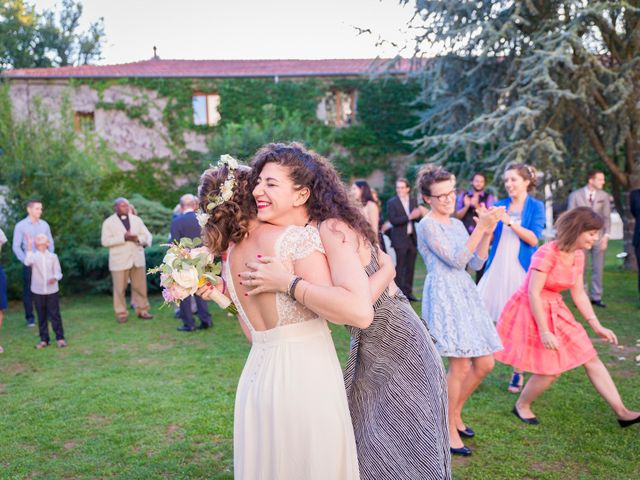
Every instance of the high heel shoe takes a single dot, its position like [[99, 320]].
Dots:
[[517, 381], [628, 423], [467, 432]]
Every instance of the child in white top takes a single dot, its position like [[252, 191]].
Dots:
[[45, 274]]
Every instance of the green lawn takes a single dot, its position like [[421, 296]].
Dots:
[[142, 401]]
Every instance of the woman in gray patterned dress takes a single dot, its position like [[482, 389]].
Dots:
[[451, 305], [394, 377]]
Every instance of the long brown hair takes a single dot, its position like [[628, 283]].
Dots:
[[574, 222], [329, 197], [228, 222]]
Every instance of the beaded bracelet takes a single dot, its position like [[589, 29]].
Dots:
[[292, 287]]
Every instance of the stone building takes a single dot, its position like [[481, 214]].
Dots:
[[126, 105]]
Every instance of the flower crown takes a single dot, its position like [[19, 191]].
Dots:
[[226, 190]]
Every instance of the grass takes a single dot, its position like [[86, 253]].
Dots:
[[140, 401]]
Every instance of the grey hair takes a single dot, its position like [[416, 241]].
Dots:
[[188, 199], [118, 200]]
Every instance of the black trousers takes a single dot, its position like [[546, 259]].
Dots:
[[406, 264], [638, 262], [187, 315], [48, 308], [26, 294]]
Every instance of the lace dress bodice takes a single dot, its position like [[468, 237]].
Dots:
[[294, 243]]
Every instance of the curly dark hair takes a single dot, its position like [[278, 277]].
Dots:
[[228, 222], [329, 197], [430, 174]]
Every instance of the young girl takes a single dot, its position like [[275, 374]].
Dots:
[[538, 331]]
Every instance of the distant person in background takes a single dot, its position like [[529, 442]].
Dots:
[[594, 197], [402, 213], [363, 194], [3, 285], [467, 203], [30, 226], [515, 239], [187, 226], [45, 275], [634, 204], [125, 235]]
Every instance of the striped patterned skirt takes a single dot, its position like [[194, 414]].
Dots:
[[397, 395]]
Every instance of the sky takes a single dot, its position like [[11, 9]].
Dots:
[[245, 29]]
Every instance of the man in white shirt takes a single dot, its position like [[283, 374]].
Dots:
[[593, 196], [45, 275], [125, 235]]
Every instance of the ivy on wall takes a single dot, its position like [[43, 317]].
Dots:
[[383, 113]]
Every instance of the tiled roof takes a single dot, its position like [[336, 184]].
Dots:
[[159, 68]]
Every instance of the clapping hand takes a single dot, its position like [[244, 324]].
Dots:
[[52, 281], [488, 218]]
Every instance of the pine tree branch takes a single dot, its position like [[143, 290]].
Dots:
[[598, 146]]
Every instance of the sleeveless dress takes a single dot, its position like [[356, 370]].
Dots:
[[397, 394], [451, 304], [518, 329], [505, 273], [291, 418]]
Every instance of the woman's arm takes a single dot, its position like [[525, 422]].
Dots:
[[582, 302], [373, 215], [526, 235], [536, 284]]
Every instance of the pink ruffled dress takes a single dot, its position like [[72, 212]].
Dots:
[[518, 329]]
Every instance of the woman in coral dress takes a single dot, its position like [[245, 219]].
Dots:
[[538, 331]]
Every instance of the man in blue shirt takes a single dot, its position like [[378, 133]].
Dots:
[[27, 228]]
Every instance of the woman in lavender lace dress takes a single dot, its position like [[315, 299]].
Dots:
[[451, 306]]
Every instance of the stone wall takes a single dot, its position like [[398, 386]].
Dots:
[[135, 138]]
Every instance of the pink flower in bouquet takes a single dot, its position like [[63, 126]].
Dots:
[[167, 295], [177, 293]]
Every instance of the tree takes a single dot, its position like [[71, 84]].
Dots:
[[30, 39], [553, 83]]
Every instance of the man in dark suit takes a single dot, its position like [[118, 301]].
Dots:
[[402, 213], [186, 225], [634, 201]]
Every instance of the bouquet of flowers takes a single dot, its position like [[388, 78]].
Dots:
[[185, 268]]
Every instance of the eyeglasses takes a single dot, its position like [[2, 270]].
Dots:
[[445, 196]]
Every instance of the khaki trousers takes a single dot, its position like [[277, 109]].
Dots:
[[138, 290]]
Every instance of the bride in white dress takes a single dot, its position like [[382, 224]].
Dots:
[[291, 414]]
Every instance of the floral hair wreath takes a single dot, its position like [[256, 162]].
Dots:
[[226, 190]]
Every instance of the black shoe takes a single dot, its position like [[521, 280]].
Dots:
[[528, 421], [204, 326], [411, 298], [467, 432], [598, 303], [185, 329], [464, 451], [628, 423]]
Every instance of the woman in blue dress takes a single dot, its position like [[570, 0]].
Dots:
[[451, 306]]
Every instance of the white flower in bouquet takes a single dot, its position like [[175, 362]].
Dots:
[[187, 278]]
